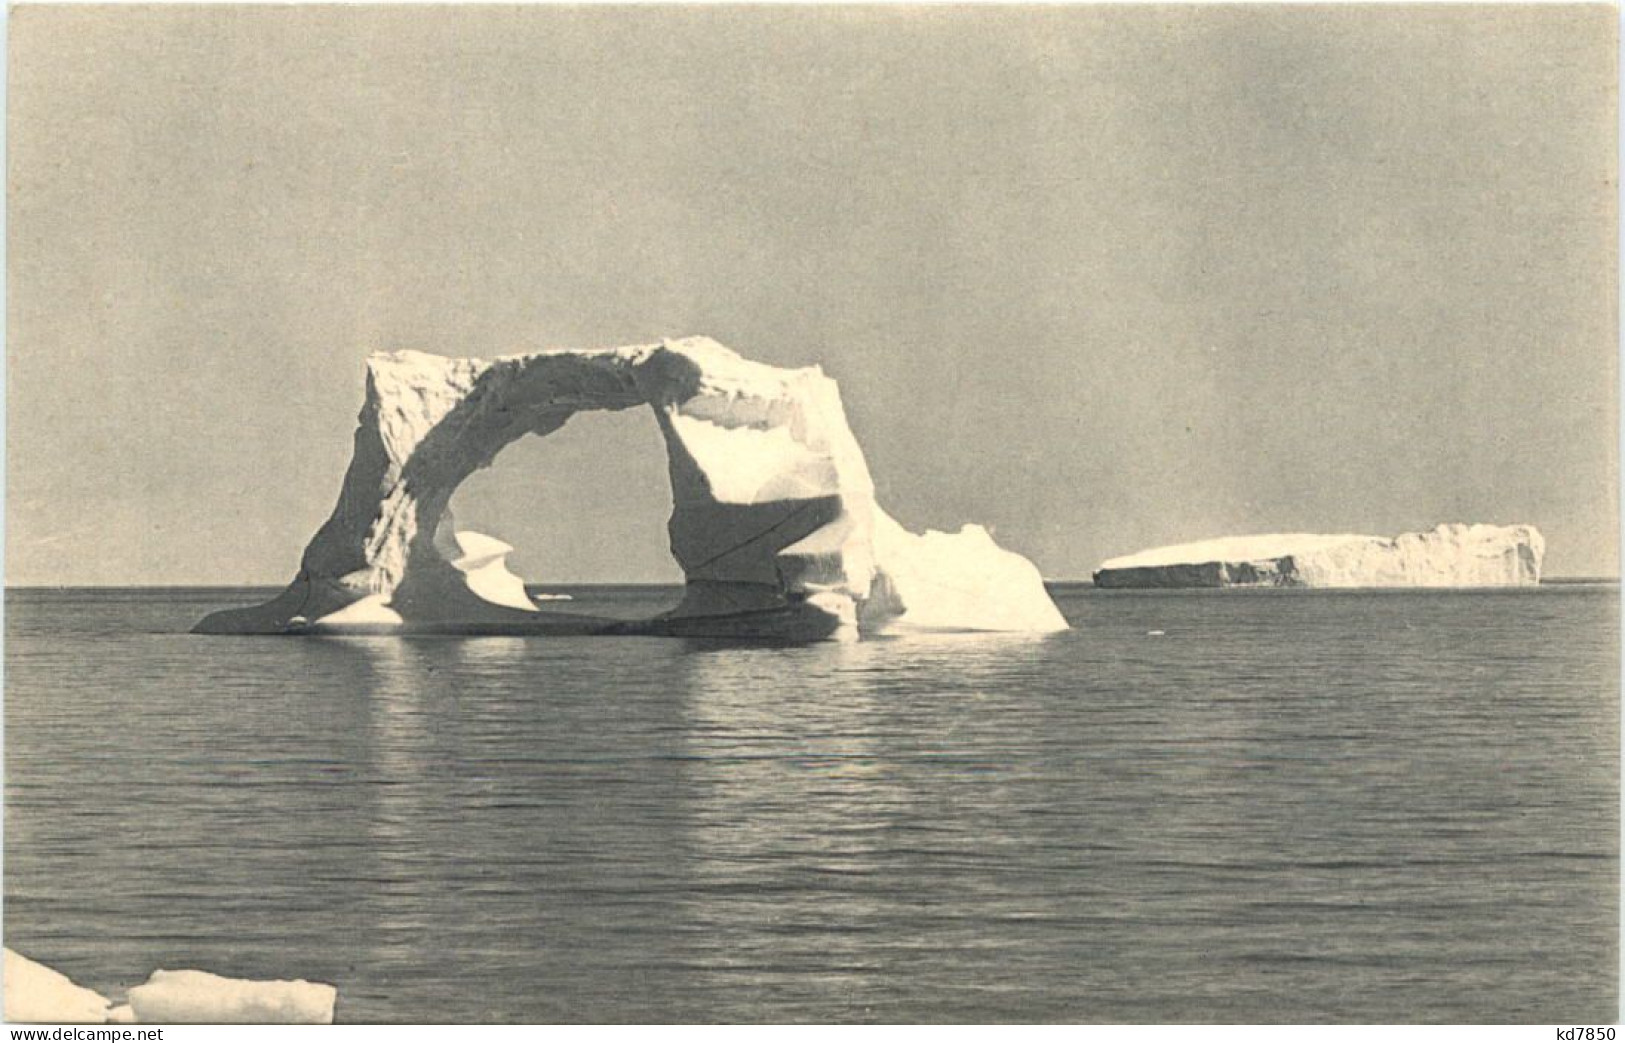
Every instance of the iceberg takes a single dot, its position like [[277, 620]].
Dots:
[[1447, 556], [34, 993], [198, 997], [774, 520]]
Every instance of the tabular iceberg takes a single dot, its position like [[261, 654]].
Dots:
[[1448, 556], [774, 520]]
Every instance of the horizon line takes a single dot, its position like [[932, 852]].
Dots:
[[1088, 581]]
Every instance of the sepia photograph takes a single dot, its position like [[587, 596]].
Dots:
[[809, 514]]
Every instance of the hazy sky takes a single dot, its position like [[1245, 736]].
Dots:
[[1102, 278]]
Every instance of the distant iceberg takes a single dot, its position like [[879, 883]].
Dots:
[[1448, 556], [774, 520]]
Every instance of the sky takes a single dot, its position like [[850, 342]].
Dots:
[[1100, 278]]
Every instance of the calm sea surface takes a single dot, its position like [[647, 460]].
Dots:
[[1289, 806]]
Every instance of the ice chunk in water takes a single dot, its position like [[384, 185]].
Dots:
[[198, 997]]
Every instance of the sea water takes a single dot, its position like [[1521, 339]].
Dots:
[[1223, 806]]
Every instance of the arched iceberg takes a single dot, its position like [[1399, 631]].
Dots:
[[774, 520]]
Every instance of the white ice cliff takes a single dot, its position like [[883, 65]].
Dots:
[[1448, 556], [774, 520]]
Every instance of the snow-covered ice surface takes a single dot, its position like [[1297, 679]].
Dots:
[[774, 520], [1233, 548], [1446, 556], [34, 993], [198, 997]]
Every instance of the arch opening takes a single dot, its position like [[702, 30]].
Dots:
[[585, 510]]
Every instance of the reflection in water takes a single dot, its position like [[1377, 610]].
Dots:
[[397, 695], [830, 790], [786, 788], [1340, 808], [516, 815]]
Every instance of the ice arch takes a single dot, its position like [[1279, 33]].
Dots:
[[774, 521]]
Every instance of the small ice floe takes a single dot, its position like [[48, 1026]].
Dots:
[[1156, 633], [34, 993], [551, 597], [198, 997]]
